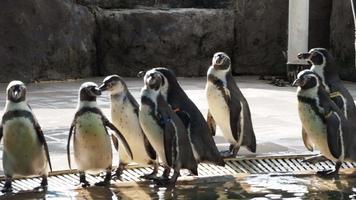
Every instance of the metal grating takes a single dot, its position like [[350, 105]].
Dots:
[[234, 166]]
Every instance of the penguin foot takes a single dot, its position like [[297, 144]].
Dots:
[[227, 154], [315, 159], [151, 176], [40, 188], [6, 189], [103, 183], [328, 174], [84, 184]]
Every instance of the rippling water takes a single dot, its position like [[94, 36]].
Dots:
[[252, 187]]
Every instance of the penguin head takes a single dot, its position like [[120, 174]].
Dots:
[[16, 91], [221, 61], [153, 80], [114, 84], [306, 80], [316, 56], [88, 91]]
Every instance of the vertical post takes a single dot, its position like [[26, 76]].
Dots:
[[298, 32]]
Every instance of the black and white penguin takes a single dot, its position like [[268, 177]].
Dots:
[[25, 151], [124, 115], [203, 145], [324, 123], [164, 129], [228, 107], [92, 145], [324, 65]]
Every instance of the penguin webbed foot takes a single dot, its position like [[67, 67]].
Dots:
[[117, 174], [107, 179], [151, 176], [165, 181], [231, 153], [315, 159], [82, 180], [328, 173], [102, 183], [43, 186], [7, 187]]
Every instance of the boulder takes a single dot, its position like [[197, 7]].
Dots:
[[46, 40], [260, 37], [181, 39]]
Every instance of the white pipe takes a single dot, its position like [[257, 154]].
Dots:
[[298, 30]]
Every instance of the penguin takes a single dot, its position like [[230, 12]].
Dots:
[[228, 107], [25, 151], [91, 140], [124, 115], [324, 123], [323, 64], [202, 142], [164, 130]]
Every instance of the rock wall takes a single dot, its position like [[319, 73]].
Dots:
[[260, 36], [181, 39], [61, 39], [45, 40], [342, 37]]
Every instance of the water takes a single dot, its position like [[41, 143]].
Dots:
[[252, 187]]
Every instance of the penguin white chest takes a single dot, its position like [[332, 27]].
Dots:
[[23, 153], [152, 130], [92, 145], [220, 110], [315, 128], [126, 120]]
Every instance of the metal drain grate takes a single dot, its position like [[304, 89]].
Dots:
[[249, 165]]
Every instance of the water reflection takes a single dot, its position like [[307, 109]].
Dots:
[[251, 187]]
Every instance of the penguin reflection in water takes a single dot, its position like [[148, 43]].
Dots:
[[92, 144], [165, 131], [124, 115], [324, 123], [25, 151], [228, 107]]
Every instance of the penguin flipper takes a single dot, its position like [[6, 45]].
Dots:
[[211, 123], [184, 117], [333, 127], [1, 132], [43, 142], [120, 136], [249, 138], [169, 142], [115, 142], [306, 141], [149, 149], [71, 131]]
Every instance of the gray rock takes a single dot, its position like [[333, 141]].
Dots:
[[260, 36], [181, 39], [45, 40]]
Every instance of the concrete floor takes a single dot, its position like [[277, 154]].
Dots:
[[274, 112]]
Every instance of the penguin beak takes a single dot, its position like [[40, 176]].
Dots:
[[141, 74], [298, 82], [303, 56], [102, 87], [97, 91]]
